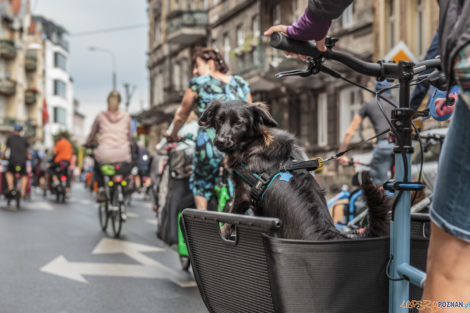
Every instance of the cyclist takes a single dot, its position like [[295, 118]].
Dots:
[[115, 135], [143, 166], [211, 82], [448, 277], [382, 155], [63, 151], [19, 150]]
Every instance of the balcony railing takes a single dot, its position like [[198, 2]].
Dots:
[[30, 129], [186, 27], [7, 49], [30, 96], [7, 87], [31, 61]]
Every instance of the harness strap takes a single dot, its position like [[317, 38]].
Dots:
[[309, 165]]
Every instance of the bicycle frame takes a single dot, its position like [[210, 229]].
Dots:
[[400, 269]]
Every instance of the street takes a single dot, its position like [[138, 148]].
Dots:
[[54, 258]]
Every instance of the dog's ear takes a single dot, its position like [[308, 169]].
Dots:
[[207, 117], [261, 115]]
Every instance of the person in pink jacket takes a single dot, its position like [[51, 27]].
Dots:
[[113, 128]]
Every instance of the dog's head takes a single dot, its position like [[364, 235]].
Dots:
[[236, 123]]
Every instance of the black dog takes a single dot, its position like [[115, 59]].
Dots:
[[246, 133]]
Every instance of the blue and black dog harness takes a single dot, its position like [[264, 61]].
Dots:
[[260, 182]]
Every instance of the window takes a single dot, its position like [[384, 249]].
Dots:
[[347, 18], [240, 36], [255, 27], [349, 104], [322, 122], [60, 115], [157, 31], [276, 20], [295, 8], [60, 61], [420, 27], [391, 23], [226, 47], [176, 76], [60, 89]]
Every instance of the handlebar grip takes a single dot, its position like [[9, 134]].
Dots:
[[282, 42]]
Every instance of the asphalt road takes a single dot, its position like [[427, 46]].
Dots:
[[54, 258]]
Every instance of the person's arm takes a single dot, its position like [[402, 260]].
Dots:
[[129, 130], [249, 98], [183, 112], [327, 9], [352, 129], [94, 130], [314, 23]]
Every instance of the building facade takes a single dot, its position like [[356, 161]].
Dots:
[[58, 83], [78, 134], [318, 109], [21, 70]]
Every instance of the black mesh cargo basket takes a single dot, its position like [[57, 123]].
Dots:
[[261, 273], [232, 276]]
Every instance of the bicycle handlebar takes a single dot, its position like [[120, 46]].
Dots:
[[382, 70]]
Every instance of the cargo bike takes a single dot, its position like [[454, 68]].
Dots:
[[255, 271]]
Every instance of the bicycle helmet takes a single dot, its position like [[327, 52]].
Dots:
[[18, 127]]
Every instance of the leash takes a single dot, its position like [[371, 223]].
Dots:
[[260, 182]]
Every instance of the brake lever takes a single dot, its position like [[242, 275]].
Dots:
[[301, 73]]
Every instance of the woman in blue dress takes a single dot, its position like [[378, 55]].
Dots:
[[211, 82]]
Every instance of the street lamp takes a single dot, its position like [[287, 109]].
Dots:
[[113, 57]]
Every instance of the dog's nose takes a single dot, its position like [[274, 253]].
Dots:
[[219, 141]]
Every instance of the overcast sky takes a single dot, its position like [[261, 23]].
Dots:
[[91, 71]]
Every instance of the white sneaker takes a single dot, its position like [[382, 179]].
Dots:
[[123, 216]]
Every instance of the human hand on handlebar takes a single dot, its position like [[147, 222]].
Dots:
[[343, 160], [172, 138], [320, 44]]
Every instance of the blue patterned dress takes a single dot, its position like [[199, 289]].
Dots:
[[207, 158]]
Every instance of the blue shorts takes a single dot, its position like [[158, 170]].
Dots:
[[450, 209]]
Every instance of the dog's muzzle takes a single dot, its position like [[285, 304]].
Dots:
[[224, 144]]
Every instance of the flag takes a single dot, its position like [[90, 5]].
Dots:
[[45, 113]]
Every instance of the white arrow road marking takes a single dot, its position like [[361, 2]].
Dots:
[[152, 221], [132, 250], [40, 205], [149, 267], [75, 271]]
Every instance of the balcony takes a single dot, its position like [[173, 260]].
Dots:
[[31, 61], [30, 96], [249, 60], [7, 49], [7, 87], [186, 27], [30, 129]]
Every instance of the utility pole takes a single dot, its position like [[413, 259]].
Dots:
[[129, 93]]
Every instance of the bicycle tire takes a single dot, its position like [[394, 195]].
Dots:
[[18, 204], [185, 263], [116, 220], [103, 215]]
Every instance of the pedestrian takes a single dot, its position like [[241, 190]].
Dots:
[[211, 82]]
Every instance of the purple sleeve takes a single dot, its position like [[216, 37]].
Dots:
[[308, 28]]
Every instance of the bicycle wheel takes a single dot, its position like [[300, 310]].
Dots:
[[18, 201], [185, 262], [103, 215], [116, 219]]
